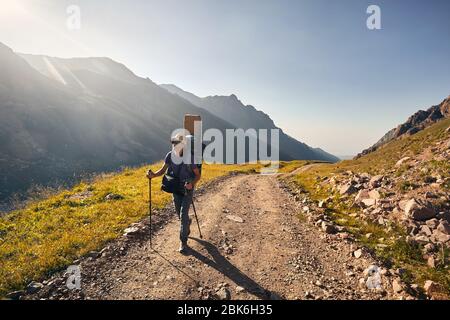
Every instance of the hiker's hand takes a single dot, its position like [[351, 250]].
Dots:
[[189, 186], [150, 174]]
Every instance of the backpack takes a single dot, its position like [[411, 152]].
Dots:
[[171, 183]]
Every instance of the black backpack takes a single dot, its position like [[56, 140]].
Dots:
[[172, 184]]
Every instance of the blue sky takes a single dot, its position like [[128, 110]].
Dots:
[[312, 65]]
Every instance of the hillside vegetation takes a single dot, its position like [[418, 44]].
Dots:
[[50, 234], [395, 202], [367, 200]]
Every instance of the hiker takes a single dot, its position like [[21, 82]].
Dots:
[[186, 176]]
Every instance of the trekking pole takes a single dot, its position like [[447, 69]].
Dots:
[[150, 207], [196, 218]]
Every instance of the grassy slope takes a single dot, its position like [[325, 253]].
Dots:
[[49, 234], [394, 249]]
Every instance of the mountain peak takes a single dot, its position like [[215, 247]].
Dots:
[[232, 110], [415, 123], [67, 70]]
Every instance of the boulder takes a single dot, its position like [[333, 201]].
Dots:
[[369, 202], [402, 204], [328, 228], [373, 278], [15, 295], [444, 227], [362, 194], [374, 194], [113, 196], [426, 230], [223, 294], [375, 181], [431, 288], [357, 253], [333, 181], [402, 161], [367, 198], [397, 286], [131, 231], [240, 289], [347, 189], [432, 223], [422, 239], [440, 237], [418, 211], [235, 218], [431, 262], [34, 287]]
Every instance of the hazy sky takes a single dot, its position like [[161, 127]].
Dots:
[[313, 66]]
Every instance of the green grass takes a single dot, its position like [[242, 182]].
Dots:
[[289, 166], [50, 234], [386, 156], [394, 251]]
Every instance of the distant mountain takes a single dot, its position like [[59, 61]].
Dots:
[[63, 118], [417, 122], [232, 110]]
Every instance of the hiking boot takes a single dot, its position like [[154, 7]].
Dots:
[[183, 247]]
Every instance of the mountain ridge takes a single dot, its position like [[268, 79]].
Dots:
[[61, 119], [231, 109], [415, 123], [51, 132]]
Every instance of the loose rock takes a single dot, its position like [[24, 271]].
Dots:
[[418, 211], [357, 253], [113, 196], [402, 161], [223, 294], [397, 286], [235, 218], [34, 287], [431, 288]]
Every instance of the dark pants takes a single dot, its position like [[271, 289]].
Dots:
[[182, 204]]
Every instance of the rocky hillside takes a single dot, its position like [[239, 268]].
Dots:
[[395, 204], [418, 121], [231, 109]]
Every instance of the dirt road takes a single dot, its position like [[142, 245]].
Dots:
[[254, 246]]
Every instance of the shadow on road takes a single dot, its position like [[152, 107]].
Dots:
[[175, 266], [222, 265]]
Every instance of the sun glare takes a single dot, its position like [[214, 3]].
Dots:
[[11, 8]]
